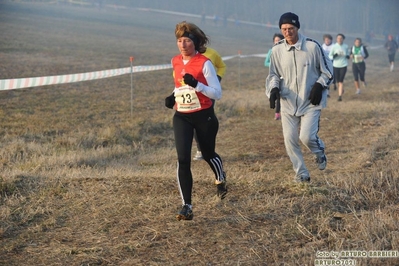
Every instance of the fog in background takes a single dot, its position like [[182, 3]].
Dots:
[[372, 20], [355, 17]]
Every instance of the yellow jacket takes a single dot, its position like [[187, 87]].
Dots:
[[216, 60]]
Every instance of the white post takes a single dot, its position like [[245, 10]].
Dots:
[[131, 86], [239, 69]]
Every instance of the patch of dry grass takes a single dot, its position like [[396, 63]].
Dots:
[[82, 182]]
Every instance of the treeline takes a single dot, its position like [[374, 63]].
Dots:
[[379, 17], [350, 16]]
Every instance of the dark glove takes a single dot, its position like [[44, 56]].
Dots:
[[316, 94], [335, 55], [170, 101], [274, 95], [219, 78], [190, 80], [347, 57]]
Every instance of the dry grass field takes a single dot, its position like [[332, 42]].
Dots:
[[85, 182]]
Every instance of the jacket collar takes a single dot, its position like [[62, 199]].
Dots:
[[297, 45]]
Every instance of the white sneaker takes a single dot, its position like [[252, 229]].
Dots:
[[198, 156], [358, 91]]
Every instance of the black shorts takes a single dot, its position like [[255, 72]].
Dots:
[[391, 57], [359, 69], [339, 74]]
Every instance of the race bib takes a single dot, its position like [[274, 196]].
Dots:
[[357, 58], [186, 99]]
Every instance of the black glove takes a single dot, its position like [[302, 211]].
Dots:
[[219, 78], [335, 55], [347, 57], [274, 95], [170, 101], [190, 80], [316, 94]]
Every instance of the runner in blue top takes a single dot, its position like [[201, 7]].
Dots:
[[276, 38], [392, 46]]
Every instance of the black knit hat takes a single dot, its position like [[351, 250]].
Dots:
[[289, 18]]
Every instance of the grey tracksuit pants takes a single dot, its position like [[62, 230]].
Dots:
[[305, 129]]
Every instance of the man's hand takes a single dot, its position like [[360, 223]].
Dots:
[[316, 94], [274, 95], [170, 101], [190, 80]]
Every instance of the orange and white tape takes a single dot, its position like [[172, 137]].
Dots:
[[10, 84], [20, 83]]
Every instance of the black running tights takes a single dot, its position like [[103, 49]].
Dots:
[[206, 125]]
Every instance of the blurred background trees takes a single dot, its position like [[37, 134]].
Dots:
[[348, 16], [356, 17]]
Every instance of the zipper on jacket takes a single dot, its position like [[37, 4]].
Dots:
[[296, 81]]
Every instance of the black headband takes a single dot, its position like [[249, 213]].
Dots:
[[192, 37]]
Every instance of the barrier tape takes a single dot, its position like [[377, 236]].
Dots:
[[20, 83], [10, 84]]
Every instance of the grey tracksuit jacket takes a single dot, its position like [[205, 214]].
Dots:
[[294, 69]]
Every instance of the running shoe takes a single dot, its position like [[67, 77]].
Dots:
[[186, 213], [321, 161], [221, 188], [198, 156], [301, 179]]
